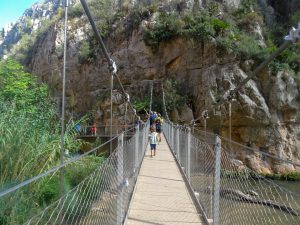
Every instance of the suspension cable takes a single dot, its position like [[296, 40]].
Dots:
[[231, 93], [127, 96], [111, 110], [97, 33], [164, 102], [293, 37], [111, 64], [151, 96], [62, 148]]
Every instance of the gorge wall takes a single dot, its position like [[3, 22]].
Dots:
[[264, 116]]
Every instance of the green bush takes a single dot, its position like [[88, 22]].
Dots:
[[141, 104], [86, 54], [174, 95], [291, 176], [166, 27], [200, 26], [75, 11], [277, 66], [30, 144]]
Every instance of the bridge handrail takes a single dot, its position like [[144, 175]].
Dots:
[[248, 148], [56, 168], [116, 175], [221, 185]]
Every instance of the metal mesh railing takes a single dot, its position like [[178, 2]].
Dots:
[[102, 197], [228, 190]]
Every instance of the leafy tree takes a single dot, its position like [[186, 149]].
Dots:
[[20, 88], [30, 144]]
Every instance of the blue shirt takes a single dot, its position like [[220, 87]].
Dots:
[[152, 118]]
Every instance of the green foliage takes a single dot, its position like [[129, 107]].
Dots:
[[141, 103], [28, 22], [277, 66], [167, 27], [23, 51], [75, 11], [20, 87], [246, 6], [200, 25], [77, 171], [290, 176], [136, 16], [291, 56], [174, 95], [247, 47], [213, 8], [238, 174], [30, 144], [85, 54]]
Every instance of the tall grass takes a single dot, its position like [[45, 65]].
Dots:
[[30, 144]]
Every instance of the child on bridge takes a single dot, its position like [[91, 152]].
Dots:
[[153, 141]]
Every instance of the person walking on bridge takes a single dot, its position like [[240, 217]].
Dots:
[[153, 141], [94, 129], [152, 118], [158, 123]]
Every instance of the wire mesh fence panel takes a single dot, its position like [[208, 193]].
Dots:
[[245, 196], [202, 173], [101, 191], [183, 148], [253, 198]]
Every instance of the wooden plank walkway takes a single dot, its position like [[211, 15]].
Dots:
[[161, 196]]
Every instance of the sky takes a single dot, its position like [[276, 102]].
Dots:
[[11, 10]]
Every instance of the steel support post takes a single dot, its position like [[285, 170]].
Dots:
[[144, 137], [168, 131], [216, 199], [171, 138], [188, 163], [125, 118], [120, 211], [136, 148], [62, 150], [229, 111], [111, 110], [177, 146], [205, 131]]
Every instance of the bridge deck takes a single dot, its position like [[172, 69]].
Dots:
[[161, 196]]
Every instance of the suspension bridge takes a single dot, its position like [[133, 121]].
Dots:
[[194, 178]]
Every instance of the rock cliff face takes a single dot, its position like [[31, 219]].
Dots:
[[264, 115], [30, 21]]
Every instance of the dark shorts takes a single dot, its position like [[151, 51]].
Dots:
[[158, 130], [153, 146]]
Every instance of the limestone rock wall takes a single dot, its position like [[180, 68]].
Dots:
[[264, 115]]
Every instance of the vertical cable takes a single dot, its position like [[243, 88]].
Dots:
[[125, 119], [111, 109], [62, 150], [229, 109], [151, 93]]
